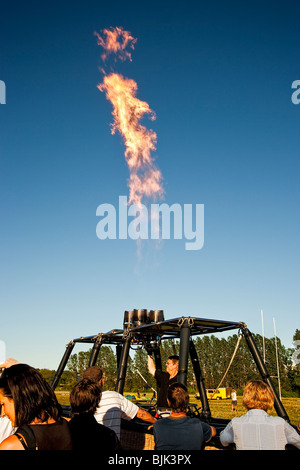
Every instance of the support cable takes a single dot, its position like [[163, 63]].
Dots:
[[231, 361], [136, 369]]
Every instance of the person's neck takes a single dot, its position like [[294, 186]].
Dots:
[[39, 421], [172, 374], [175, 415]]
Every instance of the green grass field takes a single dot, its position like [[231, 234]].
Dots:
[[222, 408]]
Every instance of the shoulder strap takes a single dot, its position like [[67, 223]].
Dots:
[[26, 437]]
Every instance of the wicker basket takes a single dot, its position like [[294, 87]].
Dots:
[[132, 440]]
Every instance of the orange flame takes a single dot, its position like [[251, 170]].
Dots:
[[145, 179], [116, 42]]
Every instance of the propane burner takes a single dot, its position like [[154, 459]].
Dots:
[[137, 317]]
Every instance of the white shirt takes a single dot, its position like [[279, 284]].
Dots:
[[6, 428], [112, 408], [256, 430]]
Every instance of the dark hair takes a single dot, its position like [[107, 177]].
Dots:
[[85, 396], [178, 397], [94, 373], [32, 395]]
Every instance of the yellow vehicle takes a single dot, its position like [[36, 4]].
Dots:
[[219, 394]]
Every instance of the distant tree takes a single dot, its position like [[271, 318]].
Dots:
[[143, 379], [66, 381], [214, 356], [72, 365], [108, 362], [296, 351], [169, 347], [78, 362], [47, 374], [206, 356], [294, 370]]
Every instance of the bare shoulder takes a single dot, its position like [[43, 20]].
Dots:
[[11, 443]]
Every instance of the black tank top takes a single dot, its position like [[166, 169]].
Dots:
[[54, 436]]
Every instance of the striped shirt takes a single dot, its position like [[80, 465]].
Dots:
[[112, 408]]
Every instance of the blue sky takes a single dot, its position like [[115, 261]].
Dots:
[[218, 76]]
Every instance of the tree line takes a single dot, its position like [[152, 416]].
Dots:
[[214, 355]]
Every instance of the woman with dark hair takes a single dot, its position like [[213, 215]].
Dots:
[[87, 433], [31, 405]]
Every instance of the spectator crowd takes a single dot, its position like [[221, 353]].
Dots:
[[32, 419]]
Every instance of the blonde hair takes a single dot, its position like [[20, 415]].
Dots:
[[258, 395]]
